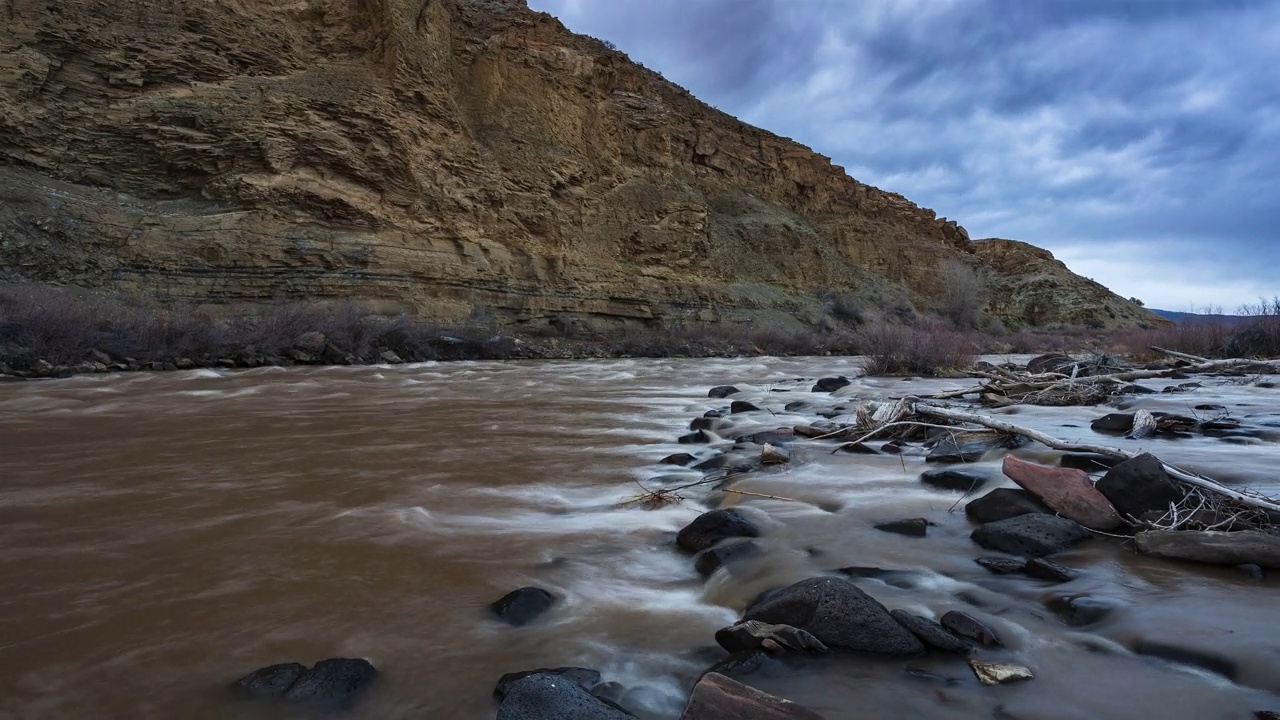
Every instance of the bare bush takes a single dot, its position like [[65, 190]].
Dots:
[[1259, 335], [843, 307], [965, 292], [922, 349]]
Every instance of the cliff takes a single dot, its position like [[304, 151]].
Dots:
[[458, 158]]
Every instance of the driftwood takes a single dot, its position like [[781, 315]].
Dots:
[[1220, 548]]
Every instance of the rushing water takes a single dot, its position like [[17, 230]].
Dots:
[[162, 534]]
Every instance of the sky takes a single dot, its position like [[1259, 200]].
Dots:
[[1139, 141]]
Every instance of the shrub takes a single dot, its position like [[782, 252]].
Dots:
[[922, 349], [965, 291], [843, 307], [1259, 335]]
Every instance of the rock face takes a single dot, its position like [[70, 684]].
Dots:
[[839, 614], [461, 159]]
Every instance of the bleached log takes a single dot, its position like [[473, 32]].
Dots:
[[1180, 355]]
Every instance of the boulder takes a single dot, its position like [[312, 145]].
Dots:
[[970, 628], [711, 527], [1052, 363], [724, 554], [831, 384], [585, 677], [1002, 566], [677, 459], [523, 606], [1002, 504], [270, 681], [742, 406], [962, 480], [1034, 535], [722, 391], [1046, 569], [1245, 547], [1113, 423], [751, 634], [914, 527], [1066, 491], [335, 682], [542, 696], [837, 613], [1080, 610], [1139, 485], [717, 697], [929, 632], [697, 437]]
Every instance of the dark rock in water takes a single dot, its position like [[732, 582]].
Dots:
[[742, 663], [677, 459], [750, 635], [522, 606], [1244, 547], [704, 423], [696, 437], [893, 447], [542, 696], [585, 677], [1138, 485], [1188, 656], [914, 527], [962, 447], [1002, 566], [1046, 569], [717, 697], [858, 448], [781, 436], [929, 632], [831, 384], [795, 405], [895, 578], [1266, 715], [336, 682], [724, 554], [1080, 610], [1088, 462], [712, 414], [968, 627], [1002, 504], [1135, 389], [722, 391], [1065, 490], [1054, 363], [922, 674], [711, 527], [1113, 423], [742, 406], [964, 481], [1034, 535], [270, 681], [839, 614]]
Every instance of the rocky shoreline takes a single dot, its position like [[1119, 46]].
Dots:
[[1016, 532]]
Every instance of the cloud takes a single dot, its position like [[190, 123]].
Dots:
[[1135, 139]]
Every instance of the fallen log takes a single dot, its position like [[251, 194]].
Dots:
[[1244, 547]]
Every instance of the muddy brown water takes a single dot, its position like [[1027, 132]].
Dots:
[[162, 534]]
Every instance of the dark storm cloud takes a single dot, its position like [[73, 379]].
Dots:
[[1138, 140]]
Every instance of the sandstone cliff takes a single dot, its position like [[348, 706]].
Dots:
[[453, 157]]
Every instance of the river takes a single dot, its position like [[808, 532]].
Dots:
[[164, 533]]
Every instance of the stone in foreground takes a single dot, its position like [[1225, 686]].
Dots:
[[929, 632], [523, 606], [270, 681], [751, 634], [1030, 535], [1246, 547], [912, 527], [717, 697], [1002, 504], [839, 614], [970, 628], [999, 673], [337, 682], [542, 696], [585, 677], [712, 527], [1066, 491], [1140, 485]]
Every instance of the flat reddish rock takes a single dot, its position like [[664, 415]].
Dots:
[[1066, 491]]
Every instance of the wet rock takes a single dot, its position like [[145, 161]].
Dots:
[[717, 697], [780, 436], [796, 405], [523, 606], [1065, 490], [831, 384], [839, 614], [742, 406], [1139, 485], [970, 628], [722, 391], [914, 527], [1113, 423], [1088, 462], [677, 459], [696, 437], [542, 696], [774, 455], [1002, 504], [270, 681], [918, 673], [895, 578], [711, 527], [336, 682], [1046, 569], [1034, 535], [999, 673], [962, 480], [1080, 610], [1245, 547], [1266, 715], [585, 677], [704, 423], [929, 632], [712, 414], [1053, 363], [858, 448], [750, 635], [1002, 566], [1188, 656], [742, 663], [724, 554], [964, 447]]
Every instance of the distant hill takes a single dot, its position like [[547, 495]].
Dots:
[[1187, 318]]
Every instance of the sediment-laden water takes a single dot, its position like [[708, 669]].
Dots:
[[162, 534]]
